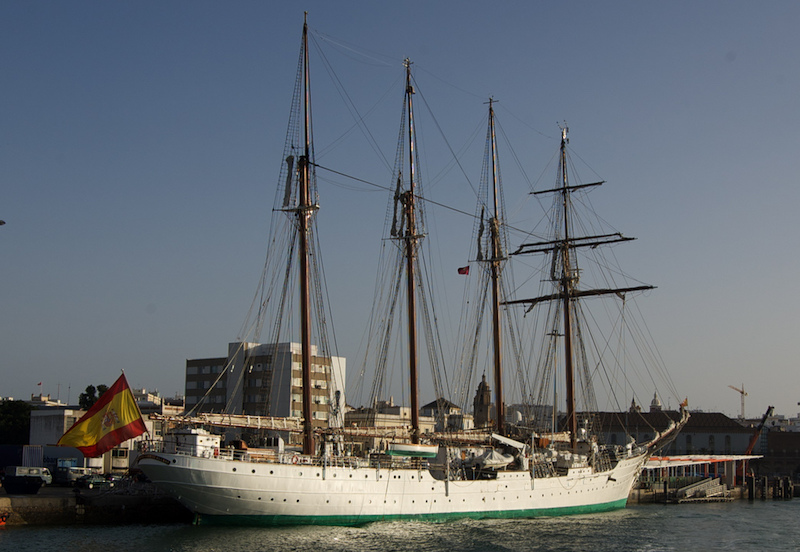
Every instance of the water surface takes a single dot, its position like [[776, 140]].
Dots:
[[741, 525]]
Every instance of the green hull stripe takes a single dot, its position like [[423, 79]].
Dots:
[[269, 521], [410, 453]]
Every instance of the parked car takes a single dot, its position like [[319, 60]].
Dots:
[[69, 476], [94, 481]]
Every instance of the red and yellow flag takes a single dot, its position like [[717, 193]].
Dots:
[[113, 419]]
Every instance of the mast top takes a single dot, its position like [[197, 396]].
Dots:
[[407, 64]]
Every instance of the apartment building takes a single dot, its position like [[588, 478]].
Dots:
[[266, 380]]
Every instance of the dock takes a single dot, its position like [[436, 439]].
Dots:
[[134, 503]]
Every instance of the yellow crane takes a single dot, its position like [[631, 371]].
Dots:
[[743, 393]]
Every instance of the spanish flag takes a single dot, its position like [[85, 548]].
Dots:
[[113, 419]]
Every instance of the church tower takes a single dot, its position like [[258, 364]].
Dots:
[[482, 404]]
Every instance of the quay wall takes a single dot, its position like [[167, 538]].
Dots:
[[63, 506]]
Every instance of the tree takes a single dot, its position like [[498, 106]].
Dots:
[[15, 423], [87, 399]]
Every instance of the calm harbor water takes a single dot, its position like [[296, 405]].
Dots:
[[739, 525]]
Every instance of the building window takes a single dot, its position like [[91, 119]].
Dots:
[[727, 444], [191, 370], [711, 444]]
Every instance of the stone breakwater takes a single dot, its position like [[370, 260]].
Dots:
[[65, 506]]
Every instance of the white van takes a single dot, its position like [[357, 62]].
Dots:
[[27, 471]]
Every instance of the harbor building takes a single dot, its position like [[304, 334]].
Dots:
[[266, 380], [49, 422], [448, 416], [383, 416], [704, 433]]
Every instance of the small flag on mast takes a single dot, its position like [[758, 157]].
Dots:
[[464, 270], [113, 419]]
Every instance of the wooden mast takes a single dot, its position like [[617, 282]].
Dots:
[[304, 210], [566, 297], [567, 280], [495, 261], [410, 240]]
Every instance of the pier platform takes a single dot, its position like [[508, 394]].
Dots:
[[135, 503]]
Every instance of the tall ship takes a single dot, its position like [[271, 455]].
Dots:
[[501, 469]]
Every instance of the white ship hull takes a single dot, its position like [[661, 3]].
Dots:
[[231, 491]]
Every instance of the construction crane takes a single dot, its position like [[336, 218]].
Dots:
[[741, 470], [743, 393], [757, 431]]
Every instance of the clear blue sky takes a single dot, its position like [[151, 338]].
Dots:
[[141, 143]]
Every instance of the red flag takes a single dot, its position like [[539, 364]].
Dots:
[[113, 419], [464, 270]]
